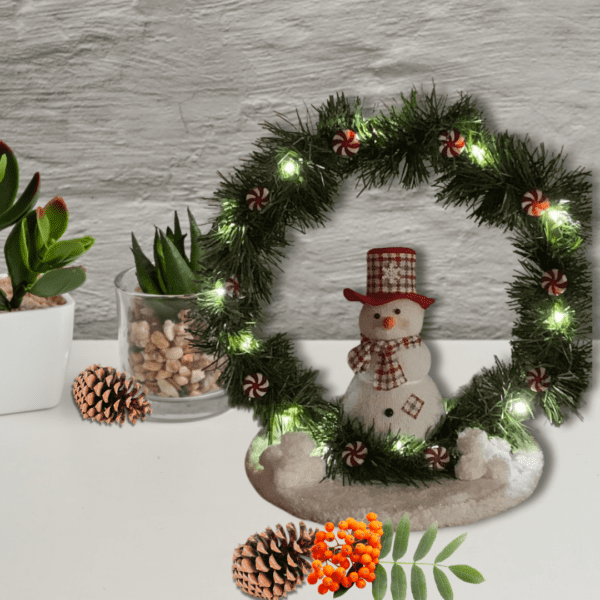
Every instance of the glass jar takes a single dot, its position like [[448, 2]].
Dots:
[[155, 350]]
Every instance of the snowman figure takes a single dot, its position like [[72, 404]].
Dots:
[[391, 388]]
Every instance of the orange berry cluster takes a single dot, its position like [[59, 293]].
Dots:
[[353, 558]]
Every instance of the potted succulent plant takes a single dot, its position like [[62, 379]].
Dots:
[[154, 343], [35, 344]]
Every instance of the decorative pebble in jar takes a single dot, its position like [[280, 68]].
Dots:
[[155, 349]]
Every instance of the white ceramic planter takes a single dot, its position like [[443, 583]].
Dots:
[[34, 354]]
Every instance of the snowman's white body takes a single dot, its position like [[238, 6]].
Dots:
[[414, 406]]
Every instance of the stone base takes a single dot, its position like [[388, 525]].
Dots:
[[290, 479]]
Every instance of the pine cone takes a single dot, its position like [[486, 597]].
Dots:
[[268, 566], [106, 395]]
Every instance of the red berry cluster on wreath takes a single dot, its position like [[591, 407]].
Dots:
[[353, 561]]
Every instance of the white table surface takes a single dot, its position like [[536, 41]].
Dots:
[[155, 510]]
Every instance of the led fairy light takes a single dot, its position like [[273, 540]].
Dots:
[[520, 408], [560, 228], [401, 444], [480, 155], [289, 419], [243, 342], [289, 166], [559, 319], [248, 343], [216, 296], [227, 231]]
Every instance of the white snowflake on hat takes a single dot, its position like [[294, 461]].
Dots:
[[391, 272]]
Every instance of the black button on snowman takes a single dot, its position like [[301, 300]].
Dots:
[[391, 388]]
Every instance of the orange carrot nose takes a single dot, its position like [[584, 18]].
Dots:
[[389, 322]]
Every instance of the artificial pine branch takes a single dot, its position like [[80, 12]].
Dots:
[[402, 145]]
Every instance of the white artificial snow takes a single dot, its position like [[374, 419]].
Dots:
[[291, 479]]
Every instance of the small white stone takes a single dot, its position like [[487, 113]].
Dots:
[[167, 388], [197, 375], [169, 330], [173, 353]]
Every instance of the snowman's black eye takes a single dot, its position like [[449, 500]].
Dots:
[[397, 311], [376, 315]]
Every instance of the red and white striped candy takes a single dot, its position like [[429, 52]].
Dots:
[[354, 454], [255, 385], [257, 197], [554, 282], [437, 457], [452, 143], [346, 142], [232, 287], [535, 202], [538, 380]]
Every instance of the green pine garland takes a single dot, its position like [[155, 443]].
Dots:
[[302, 173]]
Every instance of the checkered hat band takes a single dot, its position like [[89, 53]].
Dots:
[[391, 273]]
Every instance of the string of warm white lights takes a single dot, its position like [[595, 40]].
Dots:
[[292, 181]]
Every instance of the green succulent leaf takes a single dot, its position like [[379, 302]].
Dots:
[[443, 584], [4, 301], [159, 261], [177, 274], [387, 538], [145, 270], [426, 542], [177, 237], [467, 573], [58, 217], [196, 252], [418, 585], [379, 586], [450, 548], [60, 281], [402, 535], [10, 181], [62, 253], [23, 205], [3, 161], [42, 231], [399, 583], [16, 253]]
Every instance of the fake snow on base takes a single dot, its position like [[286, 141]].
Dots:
[[491, 480]]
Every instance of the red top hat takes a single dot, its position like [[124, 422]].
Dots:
[[390, 276]]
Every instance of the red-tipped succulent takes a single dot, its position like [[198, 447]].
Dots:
[[35, 256]]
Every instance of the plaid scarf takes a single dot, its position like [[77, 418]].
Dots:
[[389, 374]]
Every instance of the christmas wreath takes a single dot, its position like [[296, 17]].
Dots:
[[292, 181]]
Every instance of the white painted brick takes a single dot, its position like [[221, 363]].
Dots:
[[129, 109]]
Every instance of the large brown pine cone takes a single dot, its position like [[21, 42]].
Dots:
[[106, 395], [270, 566]]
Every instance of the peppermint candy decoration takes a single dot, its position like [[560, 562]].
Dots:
[[255, 385], [535, 202], [538, 380], [452, 143], [257, 197], [346, 142], [354, 454], [232, 287], [437, 457], [554, 282]]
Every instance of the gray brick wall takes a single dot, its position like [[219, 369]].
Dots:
[[129, 108]]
